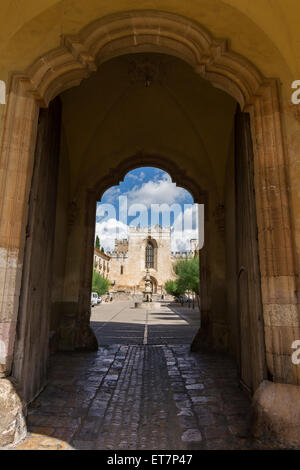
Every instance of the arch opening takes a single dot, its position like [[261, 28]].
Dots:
[[195, 155], [195, 124], [143, 224]]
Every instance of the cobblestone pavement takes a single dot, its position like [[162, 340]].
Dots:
[[143, 389]]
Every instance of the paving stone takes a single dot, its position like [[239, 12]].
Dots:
[[192, 435], [203, 399], [195, 386], [185, 412], [132, 396]]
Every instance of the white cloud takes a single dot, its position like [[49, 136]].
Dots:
[[185, 229], [138, 177], [111, 194], [108, 231], [132, 176], [157, 192], [180, 241], [161, 190], [161, 175], [181, 236], [166, 177]]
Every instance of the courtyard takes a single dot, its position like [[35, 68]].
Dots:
[[143, 389]]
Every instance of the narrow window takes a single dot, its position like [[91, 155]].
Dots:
[[149, 255], [121, 270]]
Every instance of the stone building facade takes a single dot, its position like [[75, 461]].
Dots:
[[101, 263], [145, 248]]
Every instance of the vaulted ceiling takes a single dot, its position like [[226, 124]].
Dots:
[[114, 115]]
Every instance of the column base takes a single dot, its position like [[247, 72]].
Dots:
[[276, 413], [67, 332], [12, 421], [86, 339], [211, 337], [75, 332], [203, 340]]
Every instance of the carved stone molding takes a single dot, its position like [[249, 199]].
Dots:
[[141, 31]]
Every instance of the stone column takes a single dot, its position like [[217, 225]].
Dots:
[[204, 337], [275, 237], [276, 402], [69, 304], [75, 331], [85, 338], [16, 164]]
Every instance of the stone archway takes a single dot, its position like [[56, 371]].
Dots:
[[76, 58], [94, 194]]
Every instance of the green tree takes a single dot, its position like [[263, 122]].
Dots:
[[99, 284], [173, 289], [188, 275], [187, 281], [97, 243]]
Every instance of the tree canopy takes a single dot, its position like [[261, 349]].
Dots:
[[187, 272], [173, 289], [97, 243], [100, 284], [188, 275]]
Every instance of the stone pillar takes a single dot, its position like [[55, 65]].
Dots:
[[218, 279], [16, 164], [204, 337], [275, 237], [75, 331], [276, 403], [85, 337], [69, 303]]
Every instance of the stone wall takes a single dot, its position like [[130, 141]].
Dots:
[[133, 261]]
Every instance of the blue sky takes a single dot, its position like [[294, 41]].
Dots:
[[144, 186]]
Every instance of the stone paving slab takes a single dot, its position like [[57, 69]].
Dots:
[[156, 396]]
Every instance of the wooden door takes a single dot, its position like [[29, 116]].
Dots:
[[32, 340], [251, 330]]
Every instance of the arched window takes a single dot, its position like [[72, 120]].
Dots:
[[149, 255]]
